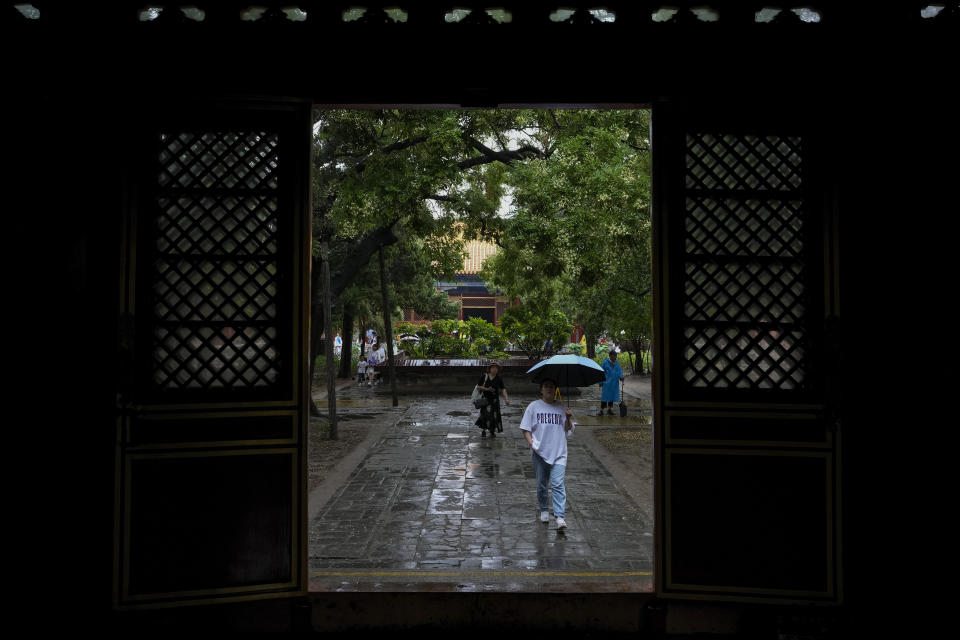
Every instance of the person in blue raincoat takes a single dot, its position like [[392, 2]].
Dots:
[[610, 392]]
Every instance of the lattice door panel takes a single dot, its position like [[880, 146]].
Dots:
[[216, 271], [205, 357], [223, 225], [744, 227], [743, 248], [744, 292], [225, 160], [743, 162], [744, 309], [212, 425], [743, 359]]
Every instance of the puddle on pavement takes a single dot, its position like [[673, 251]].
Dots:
[[371, 402], [355, 416], [633, 404], [613, 421]]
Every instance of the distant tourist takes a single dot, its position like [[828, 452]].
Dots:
[[371, 369], [611, 387], [492, 387]]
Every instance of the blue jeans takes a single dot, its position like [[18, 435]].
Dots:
[[550, 476]]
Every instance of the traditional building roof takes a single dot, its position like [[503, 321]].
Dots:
[[477, 252]]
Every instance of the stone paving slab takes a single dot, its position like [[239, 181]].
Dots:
[[433, 501]]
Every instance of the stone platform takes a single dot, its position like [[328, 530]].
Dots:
[[452, 375]]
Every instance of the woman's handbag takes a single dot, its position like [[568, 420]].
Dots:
[[479, 401]]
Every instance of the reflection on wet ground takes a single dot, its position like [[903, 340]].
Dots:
[[433, 506], [369, 398]]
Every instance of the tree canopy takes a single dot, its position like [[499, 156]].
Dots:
[[564, 193], [578, 239], [385, 177]]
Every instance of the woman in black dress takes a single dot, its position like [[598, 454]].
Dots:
[[491, 384]]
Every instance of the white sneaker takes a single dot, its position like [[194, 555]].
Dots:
[[561, 524], [544, 516]]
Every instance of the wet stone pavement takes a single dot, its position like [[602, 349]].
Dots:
[[433, 506]]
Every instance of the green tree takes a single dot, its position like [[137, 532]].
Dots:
[[380, 174], [579, 237]]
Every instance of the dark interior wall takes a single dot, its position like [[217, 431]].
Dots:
[[80, 85]]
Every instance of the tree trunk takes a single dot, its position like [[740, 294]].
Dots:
[[388, 330], [362, 337], [346, 353], [591, 344], [316, 325], [328, 331]]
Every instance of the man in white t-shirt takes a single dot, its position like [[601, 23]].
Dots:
[[546, 425]]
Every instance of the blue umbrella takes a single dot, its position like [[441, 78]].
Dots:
[[568, 370]]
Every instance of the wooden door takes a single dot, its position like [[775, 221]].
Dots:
[[747, 434], [211, 423]]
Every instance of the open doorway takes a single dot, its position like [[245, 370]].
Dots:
[[410, 491]]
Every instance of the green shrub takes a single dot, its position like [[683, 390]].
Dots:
[[451, 338], [575, 348]]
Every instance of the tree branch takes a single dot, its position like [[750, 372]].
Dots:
[[489, 155], [390, 148], [635, 147], [404, 144], [440, 198], [356, 259], [638, 295], [556, 123]]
